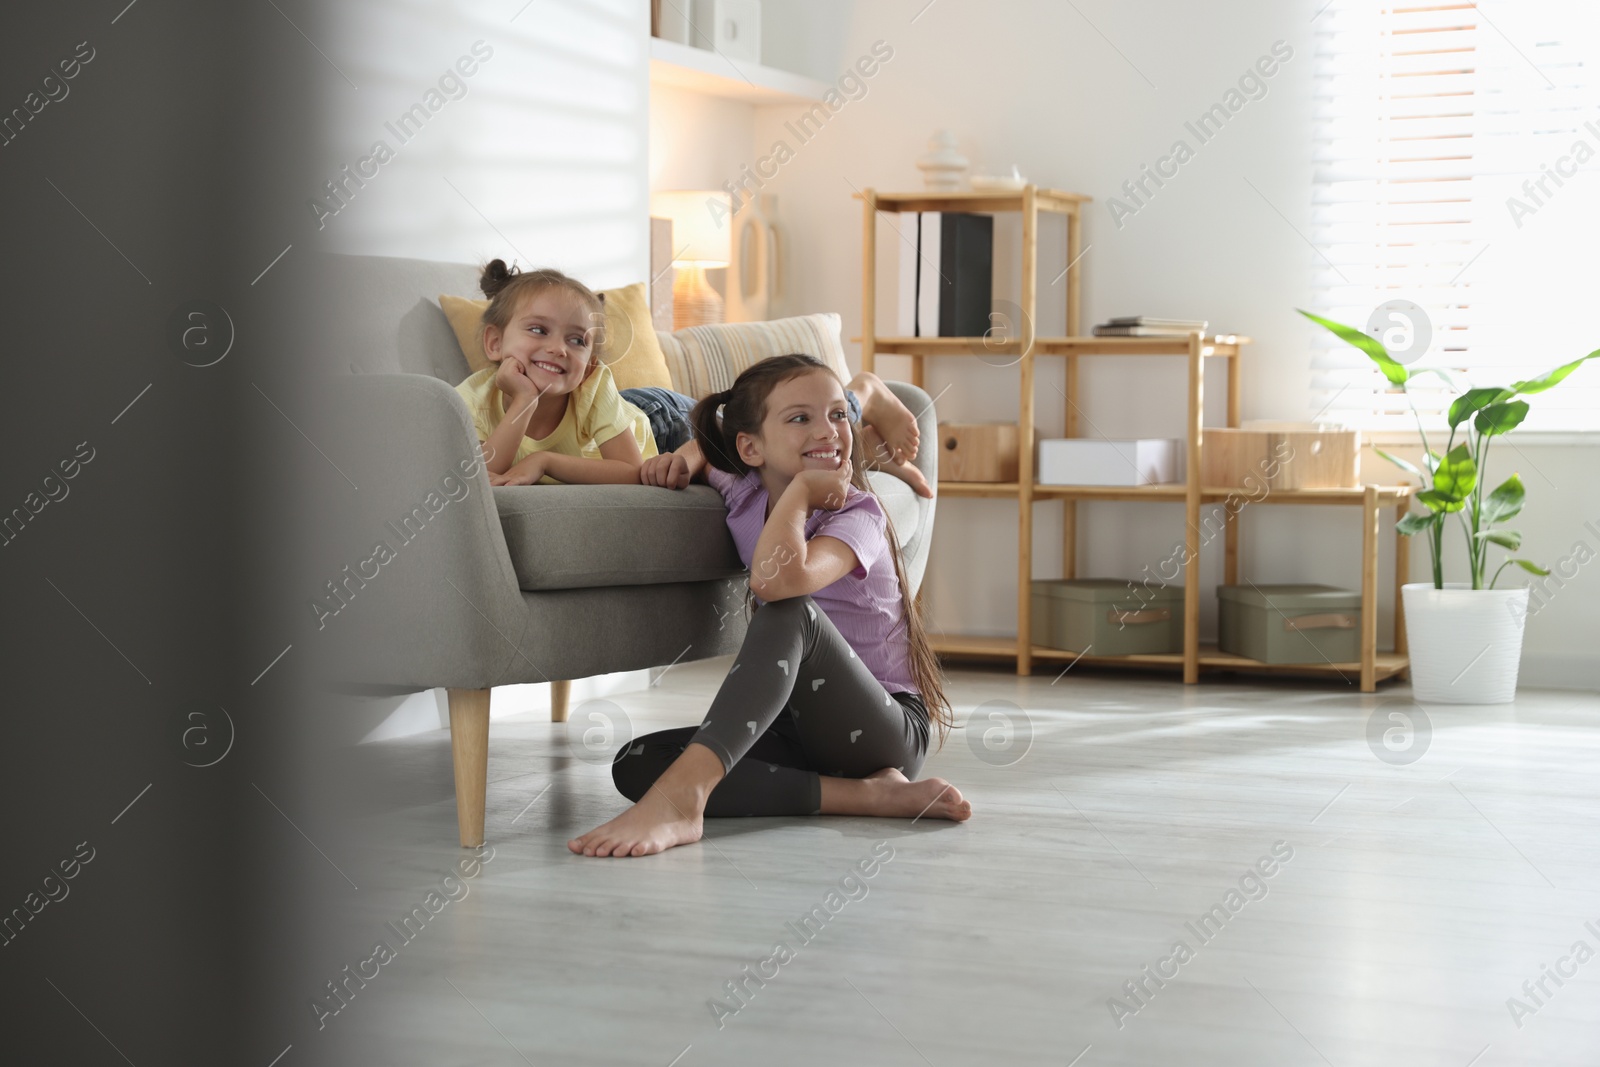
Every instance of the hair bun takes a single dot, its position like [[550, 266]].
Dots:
[[495, 276]]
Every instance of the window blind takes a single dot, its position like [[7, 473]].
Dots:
[[1428, 119]]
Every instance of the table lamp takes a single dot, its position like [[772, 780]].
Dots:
[[702, 237]]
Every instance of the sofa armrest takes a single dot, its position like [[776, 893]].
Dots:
[[431, 590]]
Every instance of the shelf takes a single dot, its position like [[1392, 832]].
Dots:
[[1224, 345], [1054, 200], [1386, 665], [1221, 344], [944, 346], [1388, 495], [702, 71]]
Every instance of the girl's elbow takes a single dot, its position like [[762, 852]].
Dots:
[[771, 589]]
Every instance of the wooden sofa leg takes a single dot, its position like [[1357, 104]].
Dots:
[[560, 692], [469, 745]]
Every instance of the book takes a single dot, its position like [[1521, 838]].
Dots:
[[946, 274], [1107, 330], [1147, 320], [966, 274]]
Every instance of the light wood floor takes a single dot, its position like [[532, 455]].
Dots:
[[1418, 899]]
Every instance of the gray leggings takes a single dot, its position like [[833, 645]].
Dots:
[[800, 704]]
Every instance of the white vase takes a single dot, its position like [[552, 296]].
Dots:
[[944, 167], [1465, 643]]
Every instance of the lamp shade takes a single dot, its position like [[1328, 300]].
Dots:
[[702, 227]]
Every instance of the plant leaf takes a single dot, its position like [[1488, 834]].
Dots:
[[1456, 476], [1501, 418], [1404, 465], [1530, 566], [1550, 379], [1473, 399], [1392, 369], [1511, 539], [1449, 379], [1437, 501], [1432, 460], [1414, 522], [1504, 502]]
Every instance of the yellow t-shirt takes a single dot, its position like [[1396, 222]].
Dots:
[[595, 414]]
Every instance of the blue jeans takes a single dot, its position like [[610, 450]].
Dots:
[[668, 413]]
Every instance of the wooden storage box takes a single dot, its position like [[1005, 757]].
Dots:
[[1280, 455], [1289, 623], [1107, 616], [978, 451]]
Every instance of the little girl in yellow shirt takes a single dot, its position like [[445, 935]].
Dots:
[[547, 412]]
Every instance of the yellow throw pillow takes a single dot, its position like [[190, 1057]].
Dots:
[[629, 345], [465, 316]]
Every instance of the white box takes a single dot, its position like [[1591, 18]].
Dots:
[[673, 23], [1097, 461], [731, 27]]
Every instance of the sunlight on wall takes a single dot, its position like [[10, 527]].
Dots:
[[538, 155]]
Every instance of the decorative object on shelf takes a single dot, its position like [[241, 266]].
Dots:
[[1282, 455], [999, 182], [1146, 326], [1107, 617], [755, 275], [1456, 619], [703, 239], [944, 167], [729, 27], [669, 20], [1289, 623], [946, 274], [1099, 461], [978, 451]]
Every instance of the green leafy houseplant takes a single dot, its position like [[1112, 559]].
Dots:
[[1455, 479]]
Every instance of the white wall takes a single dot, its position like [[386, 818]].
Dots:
[[546, 151], [1038, 85]]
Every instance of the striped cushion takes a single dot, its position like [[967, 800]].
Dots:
[[706, 359]]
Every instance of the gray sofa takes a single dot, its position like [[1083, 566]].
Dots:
[[496, 586]]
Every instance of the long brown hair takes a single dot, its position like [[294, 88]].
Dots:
[[744, 409], [508, 288]]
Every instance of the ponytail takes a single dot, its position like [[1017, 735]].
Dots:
[[717, 444]]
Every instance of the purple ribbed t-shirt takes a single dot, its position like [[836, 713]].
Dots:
[[864, 605]]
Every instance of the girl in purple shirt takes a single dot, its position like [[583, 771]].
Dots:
[[828, 706]]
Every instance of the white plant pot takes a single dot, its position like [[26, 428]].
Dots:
[[1465, 643]]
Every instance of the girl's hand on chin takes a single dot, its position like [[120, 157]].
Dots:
[[514, 381], [826, 489]]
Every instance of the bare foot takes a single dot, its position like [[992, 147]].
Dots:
[[654, 824], [880, 458], [890, 794], [884, 412], [932, 798]]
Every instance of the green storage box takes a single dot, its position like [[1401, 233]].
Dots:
[[1107, 616], [1289, 623]]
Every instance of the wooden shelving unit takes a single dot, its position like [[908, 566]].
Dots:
[[1195, 348]]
